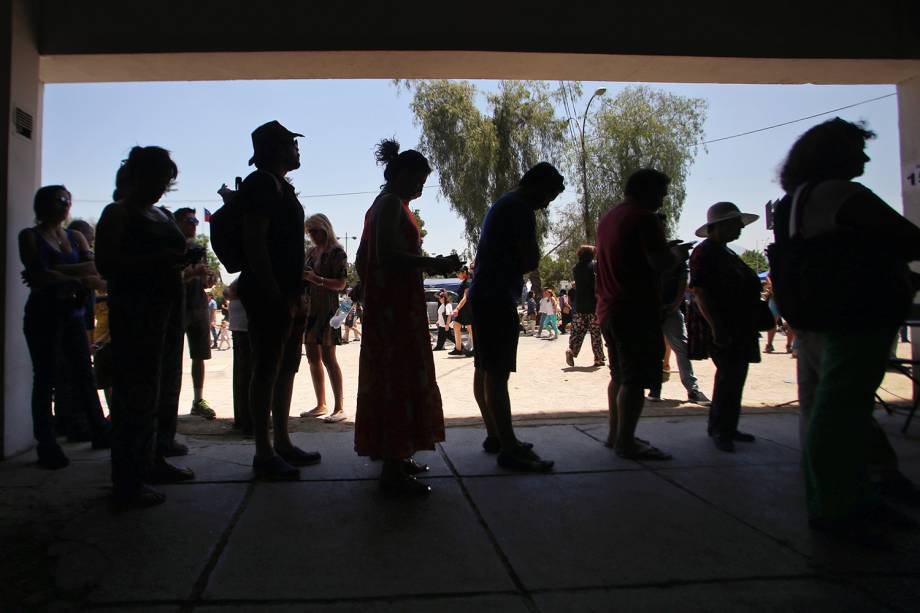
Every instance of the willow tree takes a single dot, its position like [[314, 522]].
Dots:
[[481, 154], [642, 127]]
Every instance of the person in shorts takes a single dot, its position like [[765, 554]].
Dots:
[[197, 313], [631, 255], [507, 250]]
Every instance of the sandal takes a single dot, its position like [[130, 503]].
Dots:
[[315, 412], [491, 444], [644, 451], [414, 468], [403, 485], [336, 417], [524, 460]]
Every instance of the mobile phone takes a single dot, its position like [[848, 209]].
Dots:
[[237, 182]]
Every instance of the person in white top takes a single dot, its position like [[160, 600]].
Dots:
[[549, 307], [445, 310], [242, 361]]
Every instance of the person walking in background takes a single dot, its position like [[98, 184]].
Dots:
[[565, 311], [584, 321], [242, 361], [325, 272], [507, 250], [399, 404], [444, 312], [727, 292], [530, 314], [860, 294], [271, 288], [60, 272], [673, 292], [631, 255], [462, 318], [350, 323], [141, 253], [212, 320], [198, 312], [549, 307]]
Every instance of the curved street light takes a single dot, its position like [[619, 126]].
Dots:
[[586, 199]]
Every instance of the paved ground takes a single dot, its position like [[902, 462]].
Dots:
[[706, 532]]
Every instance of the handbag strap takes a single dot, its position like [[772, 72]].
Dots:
[[796, 209]]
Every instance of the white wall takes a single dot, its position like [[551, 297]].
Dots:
[[23, 174]]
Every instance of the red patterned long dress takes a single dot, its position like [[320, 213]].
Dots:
[[399, 404]]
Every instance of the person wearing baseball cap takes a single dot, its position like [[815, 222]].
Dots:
[[271, 290], [726, 293]]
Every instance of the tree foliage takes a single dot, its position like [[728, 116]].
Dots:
[[643, 127], [756, 260], [481, 155]]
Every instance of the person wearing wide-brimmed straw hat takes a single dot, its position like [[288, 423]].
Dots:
[[726, 291]]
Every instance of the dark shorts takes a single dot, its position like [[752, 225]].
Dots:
[[198, 330], [277, 338], [497, 329], [636, 348], [465, 316]]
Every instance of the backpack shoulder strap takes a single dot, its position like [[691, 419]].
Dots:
[[797, 208]]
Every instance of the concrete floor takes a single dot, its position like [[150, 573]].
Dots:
[[708, 531]]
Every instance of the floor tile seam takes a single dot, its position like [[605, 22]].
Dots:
[[557, 473], [201, 583], [236, 602], [666, 467], [842, 579], [804, 576], [780, 542], [503, 558]]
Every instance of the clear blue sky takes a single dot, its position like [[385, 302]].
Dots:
[[88, 130]]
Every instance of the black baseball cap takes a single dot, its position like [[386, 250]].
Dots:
[[270, 135]]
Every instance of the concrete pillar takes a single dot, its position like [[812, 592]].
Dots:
[[20, 173]]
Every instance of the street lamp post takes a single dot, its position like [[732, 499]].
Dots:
[[586, 198], [346, 238]]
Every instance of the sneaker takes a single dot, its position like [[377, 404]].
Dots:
[[599, 363], [173, 449], [697, 396], [273, 468], [454, 351], [768, 349], [202, 409], [569, 358], [652, 398], [164, 472]]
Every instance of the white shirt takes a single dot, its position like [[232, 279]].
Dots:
[[444, 312], [546, 306]]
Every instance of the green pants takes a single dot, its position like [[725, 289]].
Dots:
[[851, 367]]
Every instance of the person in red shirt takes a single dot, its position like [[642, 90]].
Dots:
[[632, 252]]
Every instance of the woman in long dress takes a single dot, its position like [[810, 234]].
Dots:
[[399, 405]]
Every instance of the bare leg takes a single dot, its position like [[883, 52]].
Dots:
[[458, 337], [630, 400], [479, 393], [469, 331], [281, 408], [612, 391], [335, 376], [198, 374], [666, 362], [315, 359], [495, 386]]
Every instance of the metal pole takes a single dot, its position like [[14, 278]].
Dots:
[[586, 197]]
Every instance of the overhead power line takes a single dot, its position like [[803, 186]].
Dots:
[[786, 123], [207, 200]]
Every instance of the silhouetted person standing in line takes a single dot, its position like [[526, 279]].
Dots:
[[141, 252], [197, 320], [507, 250], [271, 290], [60, 272], [399, 404], [631, 255]]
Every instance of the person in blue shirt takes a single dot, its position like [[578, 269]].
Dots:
[[507, 250]]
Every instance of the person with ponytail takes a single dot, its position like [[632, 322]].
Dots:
[[399, 407], [141, 252]]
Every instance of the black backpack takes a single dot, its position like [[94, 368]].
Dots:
[[227, 229], [834, 281]]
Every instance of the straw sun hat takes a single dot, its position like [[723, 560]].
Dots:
[[723, 211]]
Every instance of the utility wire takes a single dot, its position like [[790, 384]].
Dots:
[[786, 123], [184, 200]]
